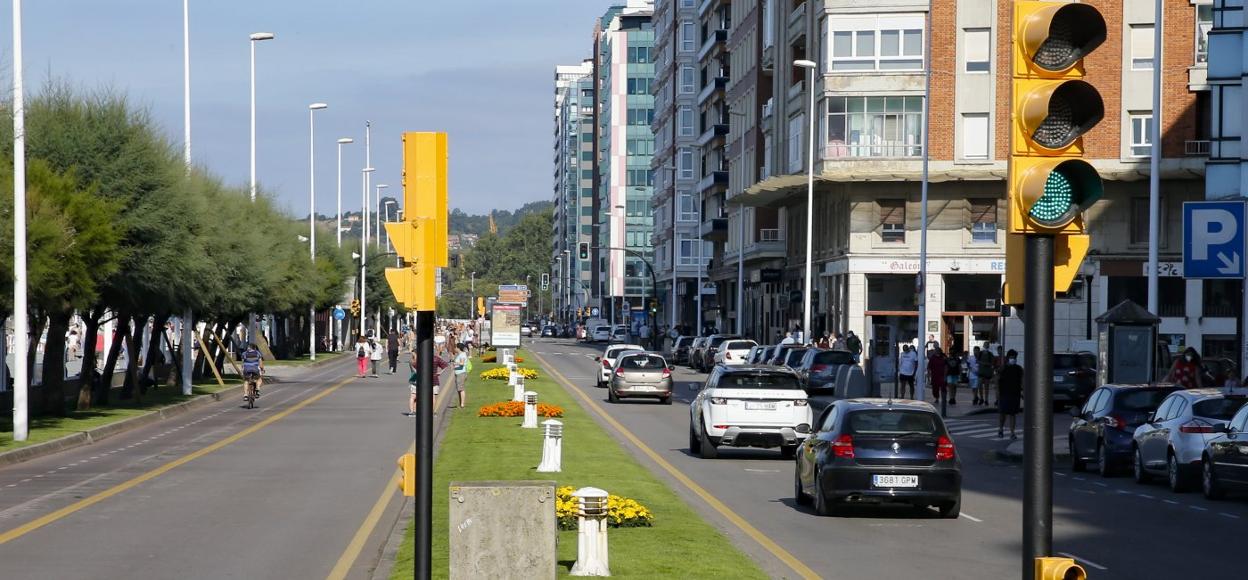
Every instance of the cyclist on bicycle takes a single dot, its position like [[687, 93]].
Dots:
[[253, 366]]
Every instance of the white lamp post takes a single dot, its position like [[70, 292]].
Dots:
[[21, 338], [255, 37], [187, 315], [807, 303], [364, 254], [338, 226], [312, 109], [386, 205], [379, 186]]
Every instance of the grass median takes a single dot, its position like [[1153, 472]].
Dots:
[[492, 448]]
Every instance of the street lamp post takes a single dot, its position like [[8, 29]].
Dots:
[[338, 226], [379, 187], [255, 37], [187, 315], [312, 109], [807, 303], [364, 254], [21, 332], [472, 302], [387, 204]]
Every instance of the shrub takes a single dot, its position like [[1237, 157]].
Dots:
[[516, 409], [622, 512]]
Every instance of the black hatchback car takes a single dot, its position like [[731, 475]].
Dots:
[[818, 368], [1101, 432], [1224, 465], [879, 451], [1074, 378]]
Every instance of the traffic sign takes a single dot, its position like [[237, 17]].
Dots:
[[339, 313], [1213, 239]]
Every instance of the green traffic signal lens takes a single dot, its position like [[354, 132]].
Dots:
[[1055, 203], [1069, 188]]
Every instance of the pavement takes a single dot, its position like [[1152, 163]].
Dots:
[[285, 490], [1116, 528]]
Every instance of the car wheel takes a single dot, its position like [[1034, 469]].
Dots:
[[1141, 476], [823, 507], [1103, 465], [693, 440], [788, 451], [1175, 475], [706, 447], [799, 494], [952, 509], [1076, 464], [666, 400], [1209, 481], [611, 396]]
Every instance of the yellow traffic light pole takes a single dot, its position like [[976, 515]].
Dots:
[[1049, 187]]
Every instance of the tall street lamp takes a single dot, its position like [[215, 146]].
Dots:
[[364, 254], [386, 205], [807, 303], [312, 109], [380, 186], [338, 226], [21, 332], [187, 318], [255, 37]]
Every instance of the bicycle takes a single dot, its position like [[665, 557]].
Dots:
[[251, 389]]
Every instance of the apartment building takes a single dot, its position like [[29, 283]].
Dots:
[[676, 145], [869, 107], [574, 152], [624, 112]]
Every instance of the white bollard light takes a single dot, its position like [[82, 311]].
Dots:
[[530, 410], [517, 387], [552, 447], [591, 535]]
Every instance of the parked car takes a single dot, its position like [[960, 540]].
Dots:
[[1217, 371], [818, 368], [1101, 431], [680, 349], [600, 334], [526, 330], [1224, 465], [641, 374], [550, 331], [709, 351], [793, 356], [756, 352], [1172, 440], [619, 333], [878, 451], [695, 352], [733, 352], [1074, 378], [607, 360], [748, 406], [781, 351]]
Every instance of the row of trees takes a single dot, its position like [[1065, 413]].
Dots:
[[523, 253], [119, 228]]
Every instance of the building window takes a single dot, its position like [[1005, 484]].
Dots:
[[639, 86], [1221, 298], [1204, 21], [640, 116], [688, 208], [684, 121], [686, 3], [1139, 221], [975, 135], [797, 126], [893, 42], [983, 220], [874, 127], [639, 177], [977, 49], [638, 54], [688, 252], [633, 146], [688, 80], [892, 220], [684, 163], [1141, 145], [688, 37], [1141, 47]]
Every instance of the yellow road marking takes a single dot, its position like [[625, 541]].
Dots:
[[31, 526], [767, 544]]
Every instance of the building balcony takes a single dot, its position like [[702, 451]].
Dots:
[[1196, 148], [797, 21], [714, 229], [712, 133], [714, 40], [715, 87], [712, 180], [768, 60], [769, 107]]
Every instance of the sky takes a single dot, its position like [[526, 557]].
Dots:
[[481, 70]]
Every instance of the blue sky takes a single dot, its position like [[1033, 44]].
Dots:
[[482, 70]]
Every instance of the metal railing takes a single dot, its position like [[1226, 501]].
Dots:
[[1196, 148], [769, 235]]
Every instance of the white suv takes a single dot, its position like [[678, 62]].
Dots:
[[733, 352], [749, 406], [608, 359]]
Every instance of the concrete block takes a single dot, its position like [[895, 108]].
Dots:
[[503, 530]]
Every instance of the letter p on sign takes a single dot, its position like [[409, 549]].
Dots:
[[1218, 227]]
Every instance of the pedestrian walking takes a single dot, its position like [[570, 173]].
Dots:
[[1187, 372], [374, 355], [972, 374], [953, 371], [392, 350], [1009, 393], [908, 365], [361, 355], [462, 365], [413, 380], [938, 373], [854, 344], [985, 368]]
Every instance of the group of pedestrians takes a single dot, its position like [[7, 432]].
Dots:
[[979, 369]]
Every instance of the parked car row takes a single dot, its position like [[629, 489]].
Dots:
[[1186, 437]]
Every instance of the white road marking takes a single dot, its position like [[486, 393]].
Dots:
[[1099, 483], [1226, 515], [1146, 496], [971, 517], [1083, 560], [1079, 478], [1059, 474], [763, 470], [11, 485], [1170, 501], [1198, 508]]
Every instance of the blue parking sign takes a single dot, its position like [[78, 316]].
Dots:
[[1213, 239]]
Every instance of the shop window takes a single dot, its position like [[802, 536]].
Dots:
[[1220, 298], [983, 220], [892, 220]]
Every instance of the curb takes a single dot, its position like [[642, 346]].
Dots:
[[97, 434]]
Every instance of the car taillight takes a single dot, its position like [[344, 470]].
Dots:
[[818, 368], [619, 372], [719, 401], [843, 447], [944, 448], [799, 402], [1115, 422], [667, 373], [606, 364], [728, 355], [1194, 427]]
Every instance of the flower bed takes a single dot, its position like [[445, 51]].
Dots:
[[622, 512], [516, 409], [493, 358], [502, 374]]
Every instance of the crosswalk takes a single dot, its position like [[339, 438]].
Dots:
[[980, 429]]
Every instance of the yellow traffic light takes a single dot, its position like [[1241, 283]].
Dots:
[[1059, 569], [414, 286], [480, 306], [407, 474], [420, 240], [1052, 109]]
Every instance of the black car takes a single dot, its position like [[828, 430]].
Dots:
[[1225, 461], [793, 357], [818, 368], [713, 342], [1074, 377], [777, 356], [879, 451], [680, 350], [1101, 432], [549, 331]]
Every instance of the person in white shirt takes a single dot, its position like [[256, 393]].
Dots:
[[644, 333], [908, 365]]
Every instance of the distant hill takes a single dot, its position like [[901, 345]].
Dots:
[[463, 223]]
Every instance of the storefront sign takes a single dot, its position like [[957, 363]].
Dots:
[[868, 265]]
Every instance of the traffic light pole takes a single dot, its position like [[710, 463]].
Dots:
[[424, 444], [1037, 424]]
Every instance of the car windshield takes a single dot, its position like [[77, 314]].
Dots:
[[1142, 400], [718, 340], [615, 352], [642, 363], [602, 329], [1074, 361], [739, 345], [834, 357], [794, 356], [892, 422], [1221, 409], [757, 381]]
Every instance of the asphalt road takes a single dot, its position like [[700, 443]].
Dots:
[[1118, 529], [278, 491]]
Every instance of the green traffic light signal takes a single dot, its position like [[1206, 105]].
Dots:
[[1069, 188]]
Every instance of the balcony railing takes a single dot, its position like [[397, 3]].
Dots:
[[1196, 148], [768, 107], [769, 235]]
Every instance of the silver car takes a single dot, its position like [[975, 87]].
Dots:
[[641, 374], [1172, 439]]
